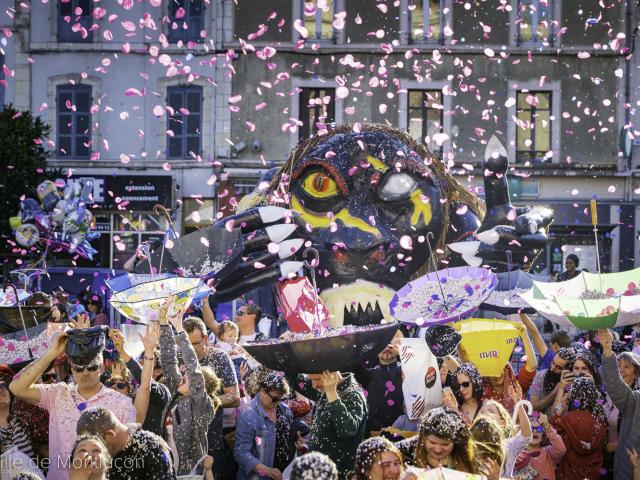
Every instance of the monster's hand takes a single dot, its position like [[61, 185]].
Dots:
[[521, 230], [264, 231]]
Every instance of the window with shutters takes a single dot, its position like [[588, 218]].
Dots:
[[75, 21], [184, 127], [317, 109], [73, 122], [186, 21]]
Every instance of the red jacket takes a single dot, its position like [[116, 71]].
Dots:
[[584, 438]]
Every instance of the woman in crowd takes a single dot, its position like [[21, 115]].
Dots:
[[443, 440], [14, 432], [468, 391], [545, 449], [263, 431], [516, 439], [580, 420], [585, 365], [93, 306], [194, 402], [571, 265], [619, 374], [489, 440], [89, 459], [377, 459]]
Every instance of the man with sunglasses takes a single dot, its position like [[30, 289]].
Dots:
[[65, 402]]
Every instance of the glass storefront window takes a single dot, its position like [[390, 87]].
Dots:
[[122, 232], [197, 213]]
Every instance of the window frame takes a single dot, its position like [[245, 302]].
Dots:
[[299, 83], [299, 14], [184, 135], [426, 16], [556, 116], [443, 86], [424, 110], [306, 130], [184, 35], [532, 153], [73, 90], [514, 25], [64, 33]]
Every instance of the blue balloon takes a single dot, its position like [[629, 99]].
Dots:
[[29, 208]]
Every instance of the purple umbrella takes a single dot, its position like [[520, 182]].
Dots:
[[444, 296]]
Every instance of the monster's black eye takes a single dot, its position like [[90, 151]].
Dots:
[[397, 186]]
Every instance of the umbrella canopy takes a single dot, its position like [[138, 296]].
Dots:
[[505, 299], [337, 350], [128, 280], [142, 302], [205, 253], [420, 302], [208, 252], [10, 318], [488, 342], [581, 302]]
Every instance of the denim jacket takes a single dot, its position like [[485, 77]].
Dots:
[[256, 439]]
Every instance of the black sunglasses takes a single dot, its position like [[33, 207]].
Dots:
[[88, 368], [120, 385], [274, 399], [48, 377], [464, 384]]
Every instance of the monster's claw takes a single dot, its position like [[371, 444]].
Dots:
[[228, 290]]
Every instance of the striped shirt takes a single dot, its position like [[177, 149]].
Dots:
[[15, 435]]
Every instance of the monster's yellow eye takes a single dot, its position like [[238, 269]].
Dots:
[[320, 185]]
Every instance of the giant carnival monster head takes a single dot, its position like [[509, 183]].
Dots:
[[368, 200]]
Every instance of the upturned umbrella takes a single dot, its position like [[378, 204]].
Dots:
[[336, 350], [444, 296], [142, 302], [589, 301]]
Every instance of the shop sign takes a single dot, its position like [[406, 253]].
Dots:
[[135, 192]]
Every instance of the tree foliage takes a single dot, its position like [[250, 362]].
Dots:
[[23, 161]]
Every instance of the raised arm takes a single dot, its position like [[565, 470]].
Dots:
[[194, 373], [24, 384], [538, 341], [532, 362], [208, 317], [621, 394], [141, 402], [168, 352]]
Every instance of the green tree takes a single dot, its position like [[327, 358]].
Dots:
[[23, 162]]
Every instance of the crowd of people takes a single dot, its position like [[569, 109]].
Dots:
[[195, 404]]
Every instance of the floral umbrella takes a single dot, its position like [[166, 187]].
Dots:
[[444, 296], [142, 302], [589, 301]]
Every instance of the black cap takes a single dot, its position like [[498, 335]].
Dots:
[[85, 344]]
